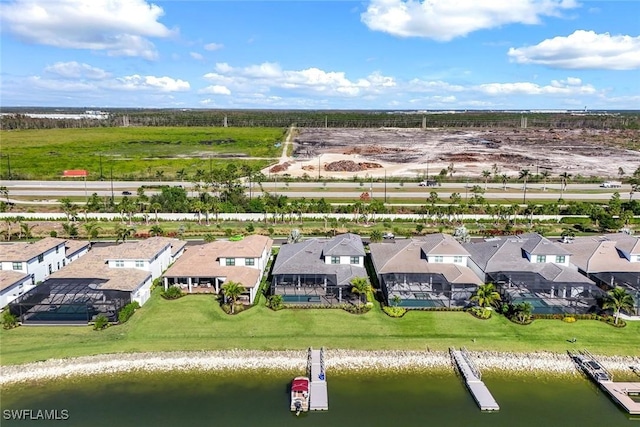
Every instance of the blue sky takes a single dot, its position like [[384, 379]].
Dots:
[[375, 54]]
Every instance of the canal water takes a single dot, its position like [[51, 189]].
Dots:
[[262, 399]]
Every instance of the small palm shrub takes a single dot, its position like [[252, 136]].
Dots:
[[101, 322], [394, 311], [9, 321], [173, 292]]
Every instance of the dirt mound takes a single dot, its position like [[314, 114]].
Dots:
[[308, 168], [350, 166], [279, 168]]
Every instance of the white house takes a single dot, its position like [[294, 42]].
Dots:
[[153, 255], [12, 285], [38, 259]]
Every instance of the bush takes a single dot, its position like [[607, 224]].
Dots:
[[237, 308], [9, 321], [358, 309], [394, 311], [53, 233], [569, 319], [275, 302], [480, 313], [127, 311], [100, 323], [173, 292]]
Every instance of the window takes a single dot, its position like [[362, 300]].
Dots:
[[119, 263], [457, 259], [58, 265], [638, 258], [541, 258], [41, 258], [354, 260], [335, 260], [18, 266], [57, 249], [438, 258], [249, 261], [64, 262], [560, 259], [231, 261], [139, 263], [50, 269]]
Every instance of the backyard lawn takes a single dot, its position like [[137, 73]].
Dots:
[[196, 322]]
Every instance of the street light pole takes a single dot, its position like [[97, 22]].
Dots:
[[319, 166]]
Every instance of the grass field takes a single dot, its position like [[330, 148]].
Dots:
[[196, 322], [134, 151]]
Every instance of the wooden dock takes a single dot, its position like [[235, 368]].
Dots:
[[472, 377], [619, 392], [318, 394]]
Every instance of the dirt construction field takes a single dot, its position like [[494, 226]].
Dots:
[[416, 152]]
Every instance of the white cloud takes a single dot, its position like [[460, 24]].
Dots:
[[217, 90], [264, 77], [557, 87], [197, 56], [160, 84], [582, 50], [75, 70], [119, 27], [213, 46], [444, 20]]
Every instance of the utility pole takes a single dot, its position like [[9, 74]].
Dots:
[[101, 175], [385, 186], [319, 166], [112, 195]]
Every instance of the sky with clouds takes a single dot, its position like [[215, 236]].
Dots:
[[372, 54]]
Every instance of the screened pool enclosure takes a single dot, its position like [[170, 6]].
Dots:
[[425, 290], [68, 301]]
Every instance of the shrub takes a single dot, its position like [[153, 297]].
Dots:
[[173, 292], [358, 309], [53, 233], [127, 311], [9, 321], [100, 323], [236, 309], [394, 311], [569, 319], [480, 313], [275, 302]]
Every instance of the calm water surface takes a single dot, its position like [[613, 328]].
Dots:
[[219, 399]]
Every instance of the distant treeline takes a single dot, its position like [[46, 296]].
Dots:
[[16, 119]]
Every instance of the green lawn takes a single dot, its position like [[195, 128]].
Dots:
[[196, 322], [133, 152]]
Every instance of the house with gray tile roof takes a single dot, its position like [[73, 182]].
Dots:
[[534, 269], [609, 260], [424, 272], [318, 271]]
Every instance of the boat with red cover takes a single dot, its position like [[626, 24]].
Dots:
[[300, 394]]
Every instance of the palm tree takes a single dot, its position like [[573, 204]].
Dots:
[[524, 175], [375, 236], [505, 179], [486, 175], [523, 311], [156, 230], [360, 286], [486, 295], [564, 176], [545, 175], [156, 207], [396, 300], [71, 229], [232, 291], [92, 229], [618, 299], [123, 232], [68, 208], [26, 230]]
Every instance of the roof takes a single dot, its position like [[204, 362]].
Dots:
[[344, 245], [600, 254], [507, 255], [405, 256], [142, 249], [535, 244], [93, 265], [300, 384], [625, 242], [202, 260], [74, 246], [307, 258], [21, 251], [442, 244], [9, 278]]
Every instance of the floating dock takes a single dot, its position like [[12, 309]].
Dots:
[[472, 378], [319, 397], [619, 392]]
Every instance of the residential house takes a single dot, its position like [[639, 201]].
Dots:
[[318, 271], [12, 285], [610, 260], [534, 269], [42, 258], [205, 268], [424, 272]]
